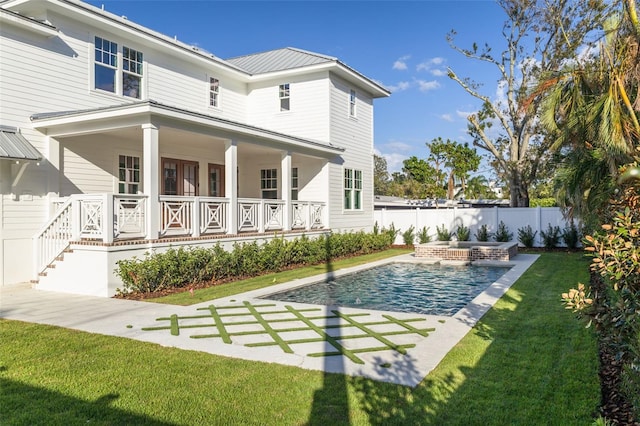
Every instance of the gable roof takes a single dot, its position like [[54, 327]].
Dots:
[[289, 59], [279, 60]]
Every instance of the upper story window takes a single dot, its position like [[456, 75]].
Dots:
[[352, 189], [214, 92], [284, 97], [106, 58], [131, 72], [352, 103], [107, 68]]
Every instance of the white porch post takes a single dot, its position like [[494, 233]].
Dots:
[[231, 184], [151, 176], [285, 166]]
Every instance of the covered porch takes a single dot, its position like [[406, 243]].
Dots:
[[150, 172]]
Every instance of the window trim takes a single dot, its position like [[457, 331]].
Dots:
[[353, 102], [126, 182], [119, 68], [221, 170], [211, 92], [295, 183], [284, 96], [268, 177], [352, 190]]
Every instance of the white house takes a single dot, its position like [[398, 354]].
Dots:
[[116, 139]]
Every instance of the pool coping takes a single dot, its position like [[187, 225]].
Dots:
[[412, 368], [134, 320]]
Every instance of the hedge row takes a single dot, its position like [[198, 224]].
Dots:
[[181, 267]]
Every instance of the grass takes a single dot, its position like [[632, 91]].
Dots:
[[528, 361], [228, 289]]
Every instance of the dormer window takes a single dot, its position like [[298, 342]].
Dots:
[[284, 97], [107, 69]]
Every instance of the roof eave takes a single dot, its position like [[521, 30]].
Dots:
[[84, 122]]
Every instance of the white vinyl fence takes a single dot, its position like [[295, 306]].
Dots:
[[538, 218]]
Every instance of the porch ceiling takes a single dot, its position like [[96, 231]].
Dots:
[[117, 118]]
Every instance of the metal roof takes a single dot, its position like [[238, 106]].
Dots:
[[14, 146], [279, 60]]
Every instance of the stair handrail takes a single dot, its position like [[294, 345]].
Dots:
[[47, 249]]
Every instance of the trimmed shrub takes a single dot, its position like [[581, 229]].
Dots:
[[179, 268], [483, 234], [502, 234], [463, 233], [423, 235], [527, 236], [408, 236], [551, 238], [571, 235], [443, 233]]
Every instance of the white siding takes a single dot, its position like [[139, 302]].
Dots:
[[308, 116], [356, 135]]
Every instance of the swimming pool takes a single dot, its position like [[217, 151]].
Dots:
[[400, 287]]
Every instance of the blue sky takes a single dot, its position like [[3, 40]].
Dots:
[[400, 44]]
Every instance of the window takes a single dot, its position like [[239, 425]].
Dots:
[[294, 184], [216, 180], [284, 97], [106, 69], [352, 189], [128, 174], [352, 103], [106, 64], [269, 183], [214, 92], [131, 72]]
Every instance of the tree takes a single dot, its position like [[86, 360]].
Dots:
[[457, 159], [422, 178], [380, 175], [478, 187], [592, 109], [539, 37]]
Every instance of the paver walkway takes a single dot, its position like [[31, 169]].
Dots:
[[387, 346]]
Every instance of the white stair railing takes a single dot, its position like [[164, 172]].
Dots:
[[53, 238]]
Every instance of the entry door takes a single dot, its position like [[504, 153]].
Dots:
[[179, 177]]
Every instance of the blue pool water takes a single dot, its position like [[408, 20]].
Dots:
[[400, 287]]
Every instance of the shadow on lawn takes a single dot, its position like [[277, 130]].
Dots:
[[331, 401], [47, 407], [538, 365]]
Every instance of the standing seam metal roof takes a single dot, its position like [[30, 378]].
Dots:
[[279, 60]]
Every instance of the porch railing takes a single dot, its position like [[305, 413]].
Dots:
[[109, 217]]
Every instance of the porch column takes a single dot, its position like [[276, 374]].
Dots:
[[231, 184], [285, 166], [151, 176]]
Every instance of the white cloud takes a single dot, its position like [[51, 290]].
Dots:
[[425, 86], [401, 63], [394, 162], [464, 114], [400, 86], [398, 146], [438, 72], [430, 64], [447, 117]]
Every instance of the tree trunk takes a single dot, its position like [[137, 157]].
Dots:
[[518, 190], [450, 186]]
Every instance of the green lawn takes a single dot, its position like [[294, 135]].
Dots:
[[527, 362]]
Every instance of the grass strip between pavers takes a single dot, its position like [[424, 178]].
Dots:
[[257, 317]]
